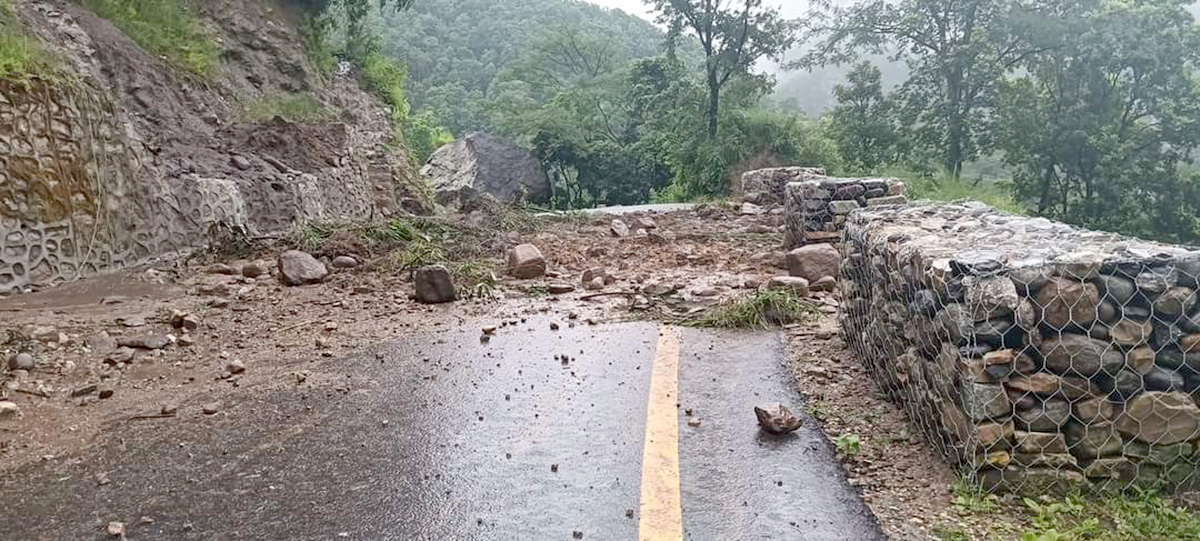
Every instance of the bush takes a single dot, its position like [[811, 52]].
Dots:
[[296, 107], [997, 193], [21, 54], [163, 27], [424, 135]]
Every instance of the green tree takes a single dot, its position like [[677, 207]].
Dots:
[[734, 36], [957, 53], [1099, 128], [863, 123]]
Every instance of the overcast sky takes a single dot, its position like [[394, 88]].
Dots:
[[789, 8]]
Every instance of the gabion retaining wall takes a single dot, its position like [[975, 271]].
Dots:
[[766, 186], [1034, 356], [815, 210]]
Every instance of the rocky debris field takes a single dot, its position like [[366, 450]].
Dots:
[[187, 340]]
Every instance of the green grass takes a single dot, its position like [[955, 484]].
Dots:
[[296, 107], [759, 311], [997, 193], [973, 499], [1141, 515], [21, 54], [476, 279], [847, 445], [163, 27]]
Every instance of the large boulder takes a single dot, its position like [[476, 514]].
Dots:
[[813, 262], [434, 285], [462, 171], [526, 261], [299, 268]]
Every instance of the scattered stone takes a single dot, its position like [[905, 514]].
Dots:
[[434, 285], [618, 228], [106, 393], [150, 342], [219, 268], [813, 262], [83, 390], [644, 222], [100, 342], [20, 361], [344, 262], [8, 410], [235, 367], [526, 261], [186, 340], [44, 334], [559, 288], [254, 269], [211, 408], [122, 355], [331, 326], [797, 285], [594, 284], [489, 329], [169, 409], [825, 283], [777, 419], [215, 290], [116, 528], [750, 209], [299, 268]]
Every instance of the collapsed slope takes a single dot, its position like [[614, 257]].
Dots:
[[121, 155]]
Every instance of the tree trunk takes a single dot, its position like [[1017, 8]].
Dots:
[[714, 104]]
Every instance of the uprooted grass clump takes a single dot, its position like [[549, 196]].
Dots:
[[297, 107], [761, 310], [467, 245]]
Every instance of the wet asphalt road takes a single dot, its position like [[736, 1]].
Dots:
[[458, 439]]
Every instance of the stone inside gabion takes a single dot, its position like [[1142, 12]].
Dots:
[[1033, 355], [815, 210]]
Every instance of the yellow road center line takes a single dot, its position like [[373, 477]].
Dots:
[[662, 507]]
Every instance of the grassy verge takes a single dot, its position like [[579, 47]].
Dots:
[[21, 55], [1111, 517], [163, 27], [296, 107], [759, 311], [997, 193]]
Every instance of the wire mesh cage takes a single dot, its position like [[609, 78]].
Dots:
[[815, 209], [1033, 355]]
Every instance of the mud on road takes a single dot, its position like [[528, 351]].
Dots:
[[293, 341]]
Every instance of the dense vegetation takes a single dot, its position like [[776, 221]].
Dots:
[[163, 27], [1083, 111]]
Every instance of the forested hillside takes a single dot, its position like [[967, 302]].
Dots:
[[461, 54]]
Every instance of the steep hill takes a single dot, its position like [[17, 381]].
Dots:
[[457, 50], [146, 132]]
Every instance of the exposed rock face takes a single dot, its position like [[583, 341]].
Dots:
[[132, 160], [461, 171], [1083, 341]]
